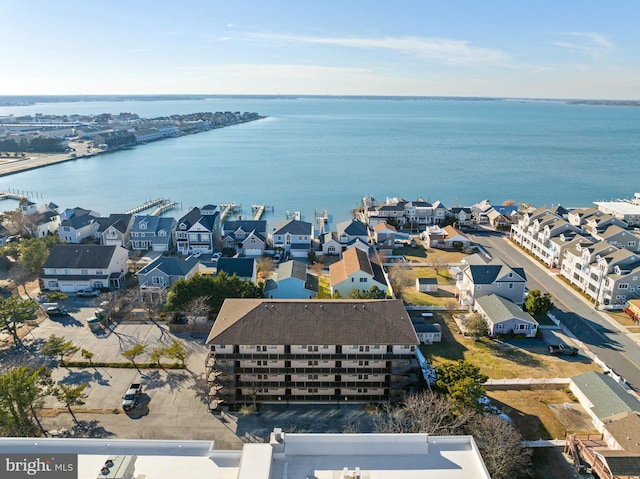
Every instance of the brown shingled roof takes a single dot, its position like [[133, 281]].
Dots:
[[353, 260], [262, 321]]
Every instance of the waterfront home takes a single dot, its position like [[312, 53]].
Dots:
[[155, 279], [329, 244], [114, 230], [153, 233], [462, 215], [351, 230], [480, 277], [70, 268], [356, 271], [294, 237], [620, 237], [536, 230], [384, 235], [505, 317], [244, 268], [39, 222], [268, 350], [198, 230], [292, 280], [246, 237], [77, 225]]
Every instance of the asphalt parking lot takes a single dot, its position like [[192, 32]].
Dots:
[[173, 403]]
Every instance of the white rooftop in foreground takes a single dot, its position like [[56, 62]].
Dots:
[[620, 207], [287, 456]]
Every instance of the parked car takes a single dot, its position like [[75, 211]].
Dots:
[[88, 293], [130, 398], [561, 349], [56, 311], [196, 254], [216, 255]]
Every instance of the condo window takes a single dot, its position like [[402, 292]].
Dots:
[[312, 390], [312, 348], [312, 363]]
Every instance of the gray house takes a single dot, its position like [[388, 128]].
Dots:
[[158, 276], [152, 233], [480, 277], [505, 317]]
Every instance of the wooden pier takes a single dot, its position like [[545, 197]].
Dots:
[[227, 209], [164, 207], [258, 211], [8, 195], [145, 206], [296, 215]]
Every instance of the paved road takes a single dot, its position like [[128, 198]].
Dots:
[[606, 340]]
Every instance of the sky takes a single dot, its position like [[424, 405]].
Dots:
[[493, 48]]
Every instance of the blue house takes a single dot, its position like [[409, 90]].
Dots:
[[291, 281]]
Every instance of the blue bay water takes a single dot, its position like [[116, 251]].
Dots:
[[314, 153]]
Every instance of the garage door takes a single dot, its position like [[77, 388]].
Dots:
[[67, 288]]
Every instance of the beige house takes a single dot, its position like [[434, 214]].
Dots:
[[356, 271]]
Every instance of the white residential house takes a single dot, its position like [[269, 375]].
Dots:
[[70, 268], [356, 271]]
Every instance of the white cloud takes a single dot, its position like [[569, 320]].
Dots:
[[438, 50], [592, 44]]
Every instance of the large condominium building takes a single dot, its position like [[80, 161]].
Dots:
[[310, 351]]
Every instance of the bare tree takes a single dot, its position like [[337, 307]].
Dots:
[[425, 412], [198, 307], [438, 264], [400, 278], [20, 274], [265, 268], [500, 445], [569, 418], [317, 268]]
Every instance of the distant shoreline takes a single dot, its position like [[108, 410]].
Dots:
[[27, 100]]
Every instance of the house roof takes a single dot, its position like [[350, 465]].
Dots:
[[621, 463], [260, 226], [383, 226], [499, 309], [297, 270], [293, 227], [626, 431], [119, 221], [493, 271], [242, 267], [427, 281], [170, 266], [260, 321], [154, 224], [354, 260], [453, 232], [292, 269], [606, 395], [352, 228], [78, 221], [73, 256]]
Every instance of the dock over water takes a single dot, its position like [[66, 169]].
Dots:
[[145, 206], [229, 208]]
